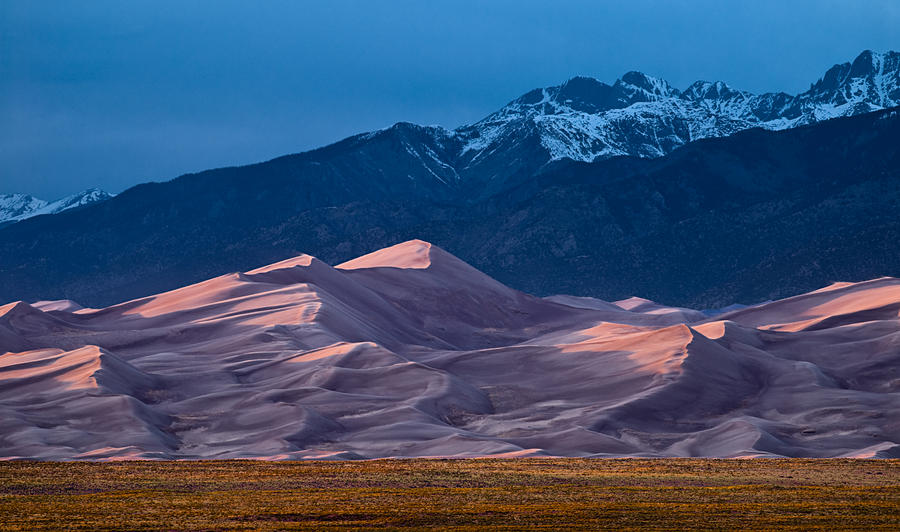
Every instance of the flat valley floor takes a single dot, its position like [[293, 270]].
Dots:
[[459, 494]]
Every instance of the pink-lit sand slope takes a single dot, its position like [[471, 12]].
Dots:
[[409, 351]]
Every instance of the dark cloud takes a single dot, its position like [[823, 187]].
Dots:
[[110, 93]]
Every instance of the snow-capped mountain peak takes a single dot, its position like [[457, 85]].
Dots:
[[643, 88], [16, 207], [705, 90], [583, 94], [586, 119], [872, 78], [583, 119]]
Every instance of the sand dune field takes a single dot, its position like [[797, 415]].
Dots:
[[410, 352]]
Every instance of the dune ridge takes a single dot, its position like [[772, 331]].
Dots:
[[411, 352]]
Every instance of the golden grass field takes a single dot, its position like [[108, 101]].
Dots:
[[460, 494]]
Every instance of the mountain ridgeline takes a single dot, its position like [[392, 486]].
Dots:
[[700, 197], [16, 207]]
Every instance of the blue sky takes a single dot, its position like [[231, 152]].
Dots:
[[111, 93]]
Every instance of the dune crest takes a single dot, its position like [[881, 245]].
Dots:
[[409, 351], [412, 254]]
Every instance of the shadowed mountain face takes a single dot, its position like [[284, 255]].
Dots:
[[753, 216], [410, 351]]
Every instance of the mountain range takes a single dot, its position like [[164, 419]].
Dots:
[[411, 352], [700, 197], [15, 207], [585, 119]]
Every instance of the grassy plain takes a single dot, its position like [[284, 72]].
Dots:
[[459, 494]]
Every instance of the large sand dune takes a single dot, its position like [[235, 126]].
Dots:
[[409, 351]]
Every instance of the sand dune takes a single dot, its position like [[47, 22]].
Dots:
[[410, 351]]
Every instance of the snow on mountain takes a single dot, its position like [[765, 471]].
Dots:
[[582, 119], [585, 119], [16, 207], [12, 206]]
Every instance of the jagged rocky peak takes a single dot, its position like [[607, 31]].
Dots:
[[84, 197], [584, 94], [415, 128], [641, 87], [16, 207], [409, 130], [706, 90], [583, 119], [872, 78], [869, 63], [865, 64], [586, 119]]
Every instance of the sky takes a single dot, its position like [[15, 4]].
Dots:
[[109, 94]]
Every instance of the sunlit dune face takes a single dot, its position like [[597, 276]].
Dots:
[[873, 298], [16, 365], [410, 352], [602, 332], [833, 286], [229, 298], [847, 299], [632, 303], [292, 305], [712, 330], [857, 300], [295, 314], [325, 352], [648, 350], [73, 370], [414, 254], [608, 331], [206, 292], [301, 261]]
